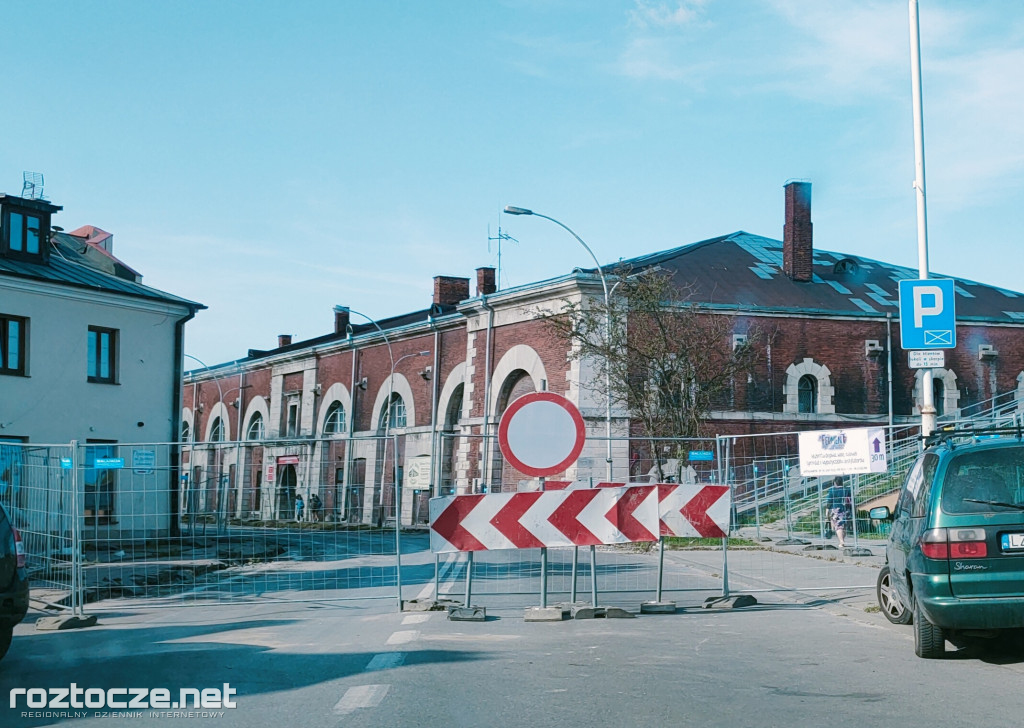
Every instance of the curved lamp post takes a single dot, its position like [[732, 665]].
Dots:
[[511, 210], [220, 493], [387, 431]]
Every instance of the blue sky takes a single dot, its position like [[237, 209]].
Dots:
[[273, 159]]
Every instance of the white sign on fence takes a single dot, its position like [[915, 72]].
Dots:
[[143, 461], [417, 473], [842, 452]]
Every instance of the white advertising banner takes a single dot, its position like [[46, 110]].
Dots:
[[843, 452]]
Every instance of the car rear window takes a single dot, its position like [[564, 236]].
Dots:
[[979, 481]]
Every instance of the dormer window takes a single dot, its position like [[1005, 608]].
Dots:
[[25, 228]]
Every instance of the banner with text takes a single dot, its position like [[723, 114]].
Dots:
[[842, 452]]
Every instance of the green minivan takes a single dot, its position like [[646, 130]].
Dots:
[[955, 555]]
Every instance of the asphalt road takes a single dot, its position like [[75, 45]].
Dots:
[[793, 660]]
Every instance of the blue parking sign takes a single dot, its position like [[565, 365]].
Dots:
[[927, 314]]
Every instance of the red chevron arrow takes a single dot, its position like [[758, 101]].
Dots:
[[507, 521], [449, 524], [565, 517], [696, 511], [621, 515]]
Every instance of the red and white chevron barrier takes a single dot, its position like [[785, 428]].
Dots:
[[692, 509], [685, 509], [584, 517]]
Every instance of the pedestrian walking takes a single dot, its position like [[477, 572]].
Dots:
[[299, 507], [840, 507], [315, 507]]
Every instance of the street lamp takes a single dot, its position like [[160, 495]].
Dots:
[[221, 505], [511, 210], [387, 429]]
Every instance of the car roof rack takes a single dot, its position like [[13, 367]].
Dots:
[[950, 432]]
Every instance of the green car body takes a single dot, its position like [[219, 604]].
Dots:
[[956, 548]]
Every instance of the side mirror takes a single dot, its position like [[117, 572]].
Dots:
[[882, 513]]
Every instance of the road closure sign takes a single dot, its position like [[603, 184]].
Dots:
[[541, 434], [842, 452]]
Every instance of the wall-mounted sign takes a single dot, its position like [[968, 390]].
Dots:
[[108, 463]]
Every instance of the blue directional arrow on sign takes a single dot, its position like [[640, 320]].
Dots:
[[927, 314]]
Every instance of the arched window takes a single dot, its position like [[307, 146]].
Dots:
[[807, 394], [334, 422], [217, 431], [255, 429], [186, 432], [392, 415], [808, 389]]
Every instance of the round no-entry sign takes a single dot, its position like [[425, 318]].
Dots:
[[541, 434]]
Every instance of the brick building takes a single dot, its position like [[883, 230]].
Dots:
[[319, 408]]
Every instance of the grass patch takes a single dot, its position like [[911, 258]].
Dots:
[[673, 542]]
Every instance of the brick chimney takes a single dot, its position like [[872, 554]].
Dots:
[[341, 317], [797, 234], [449, 290], [485, 281], [284, 340]]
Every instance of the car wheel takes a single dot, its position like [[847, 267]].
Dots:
[[6, 634], [929, 641], [889, 599]]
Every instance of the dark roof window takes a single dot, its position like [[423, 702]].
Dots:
[[846, 265], [25, 228]]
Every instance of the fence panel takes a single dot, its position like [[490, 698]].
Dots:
[[202, 523], [37, 490]]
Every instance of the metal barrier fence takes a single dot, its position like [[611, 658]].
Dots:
[[205, 523]]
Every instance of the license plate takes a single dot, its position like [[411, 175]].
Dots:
[[1013, 541]]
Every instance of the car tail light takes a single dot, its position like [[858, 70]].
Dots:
[[934, 544], [19, 548], [967, 543]]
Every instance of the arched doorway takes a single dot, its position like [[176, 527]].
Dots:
[[503, 477], [449, 451], [287, 482]]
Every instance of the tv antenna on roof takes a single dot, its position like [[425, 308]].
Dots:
[[32, 185], [498, 238]]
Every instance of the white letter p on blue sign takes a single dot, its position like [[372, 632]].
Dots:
[[920, 310], [927, 314]]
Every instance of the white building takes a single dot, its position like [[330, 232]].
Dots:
[[87, 354]]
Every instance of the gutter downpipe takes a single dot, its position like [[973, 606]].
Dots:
[[485, 464], [349, 459], [435, 470], [888, 349], [177, 386]]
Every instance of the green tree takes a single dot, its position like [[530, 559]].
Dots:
[[670, 360]]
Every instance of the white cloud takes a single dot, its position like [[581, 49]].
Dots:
[[666, 15], [657, 59]]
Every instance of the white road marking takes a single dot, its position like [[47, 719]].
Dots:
[[386, 661], [403, 637], [415, 618], [361, 696]]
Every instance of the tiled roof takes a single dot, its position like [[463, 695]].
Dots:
[[64, 268], [744, 271]]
